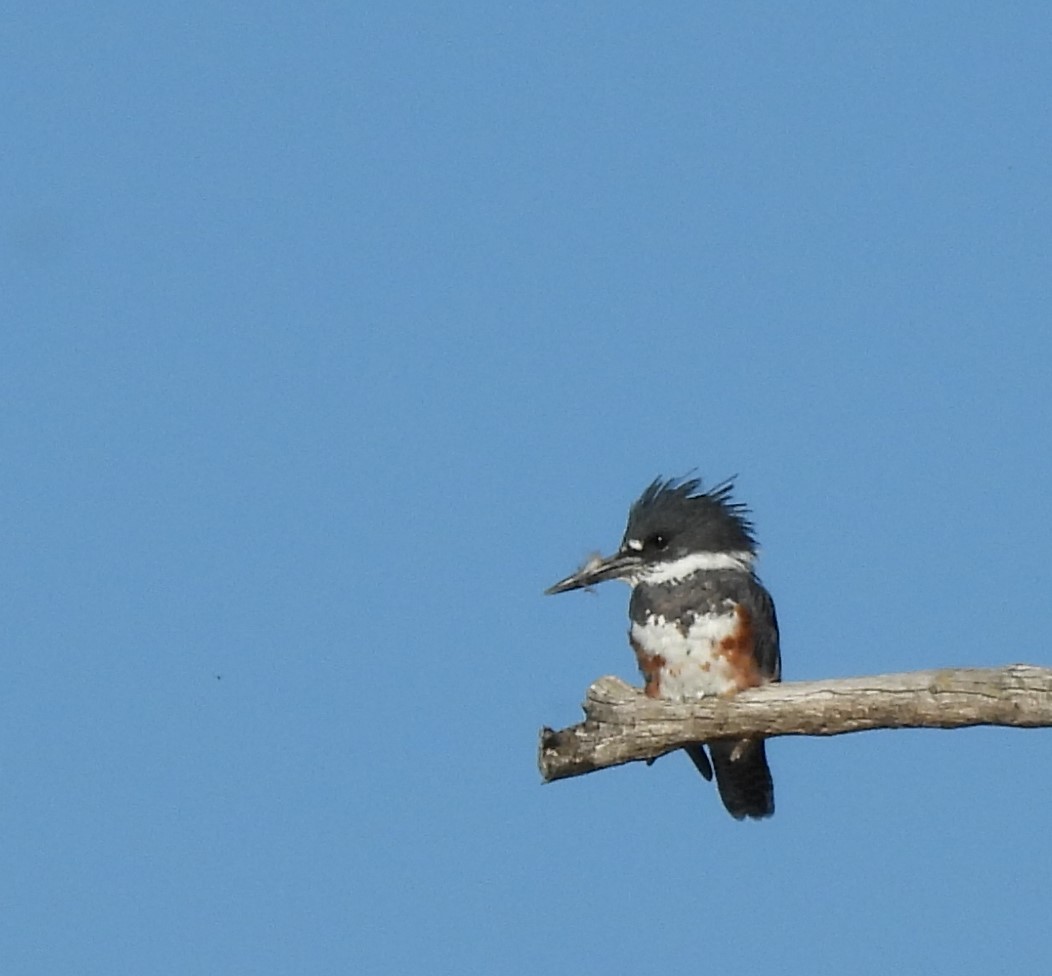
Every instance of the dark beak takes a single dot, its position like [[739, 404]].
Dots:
[[598, 569]]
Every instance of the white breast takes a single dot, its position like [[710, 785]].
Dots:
[[692, 668]]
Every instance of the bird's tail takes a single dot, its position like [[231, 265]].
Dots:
[[742, 776]]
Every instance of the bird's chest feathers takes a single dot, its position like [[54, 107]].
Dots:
[[703, 654]]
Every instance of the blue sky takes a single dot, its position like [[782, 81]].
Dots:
[[333, 333]]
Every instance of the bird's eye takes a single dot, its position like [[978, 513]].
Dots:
[[657, 541]]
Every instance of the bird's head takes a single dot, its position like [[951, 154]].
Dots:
[[675, 529]]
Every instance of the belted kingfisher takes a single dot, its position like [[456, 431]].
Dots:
[[702, 622]]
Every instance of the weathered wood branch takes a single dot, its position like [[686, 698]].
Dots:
[[622, 725]]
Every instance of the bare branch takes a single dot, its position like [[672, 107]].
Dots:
[[622, 725]]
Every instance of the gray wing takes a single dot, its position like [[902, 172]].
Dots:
[[757, 601]]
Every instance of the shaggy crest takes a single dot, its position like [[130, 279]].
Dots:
[[678, 500]]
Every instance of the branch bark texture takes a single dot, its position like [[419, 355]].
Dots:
[[622, 725]]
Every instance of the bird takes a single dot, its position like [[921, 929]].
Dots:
[[701, 622]]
